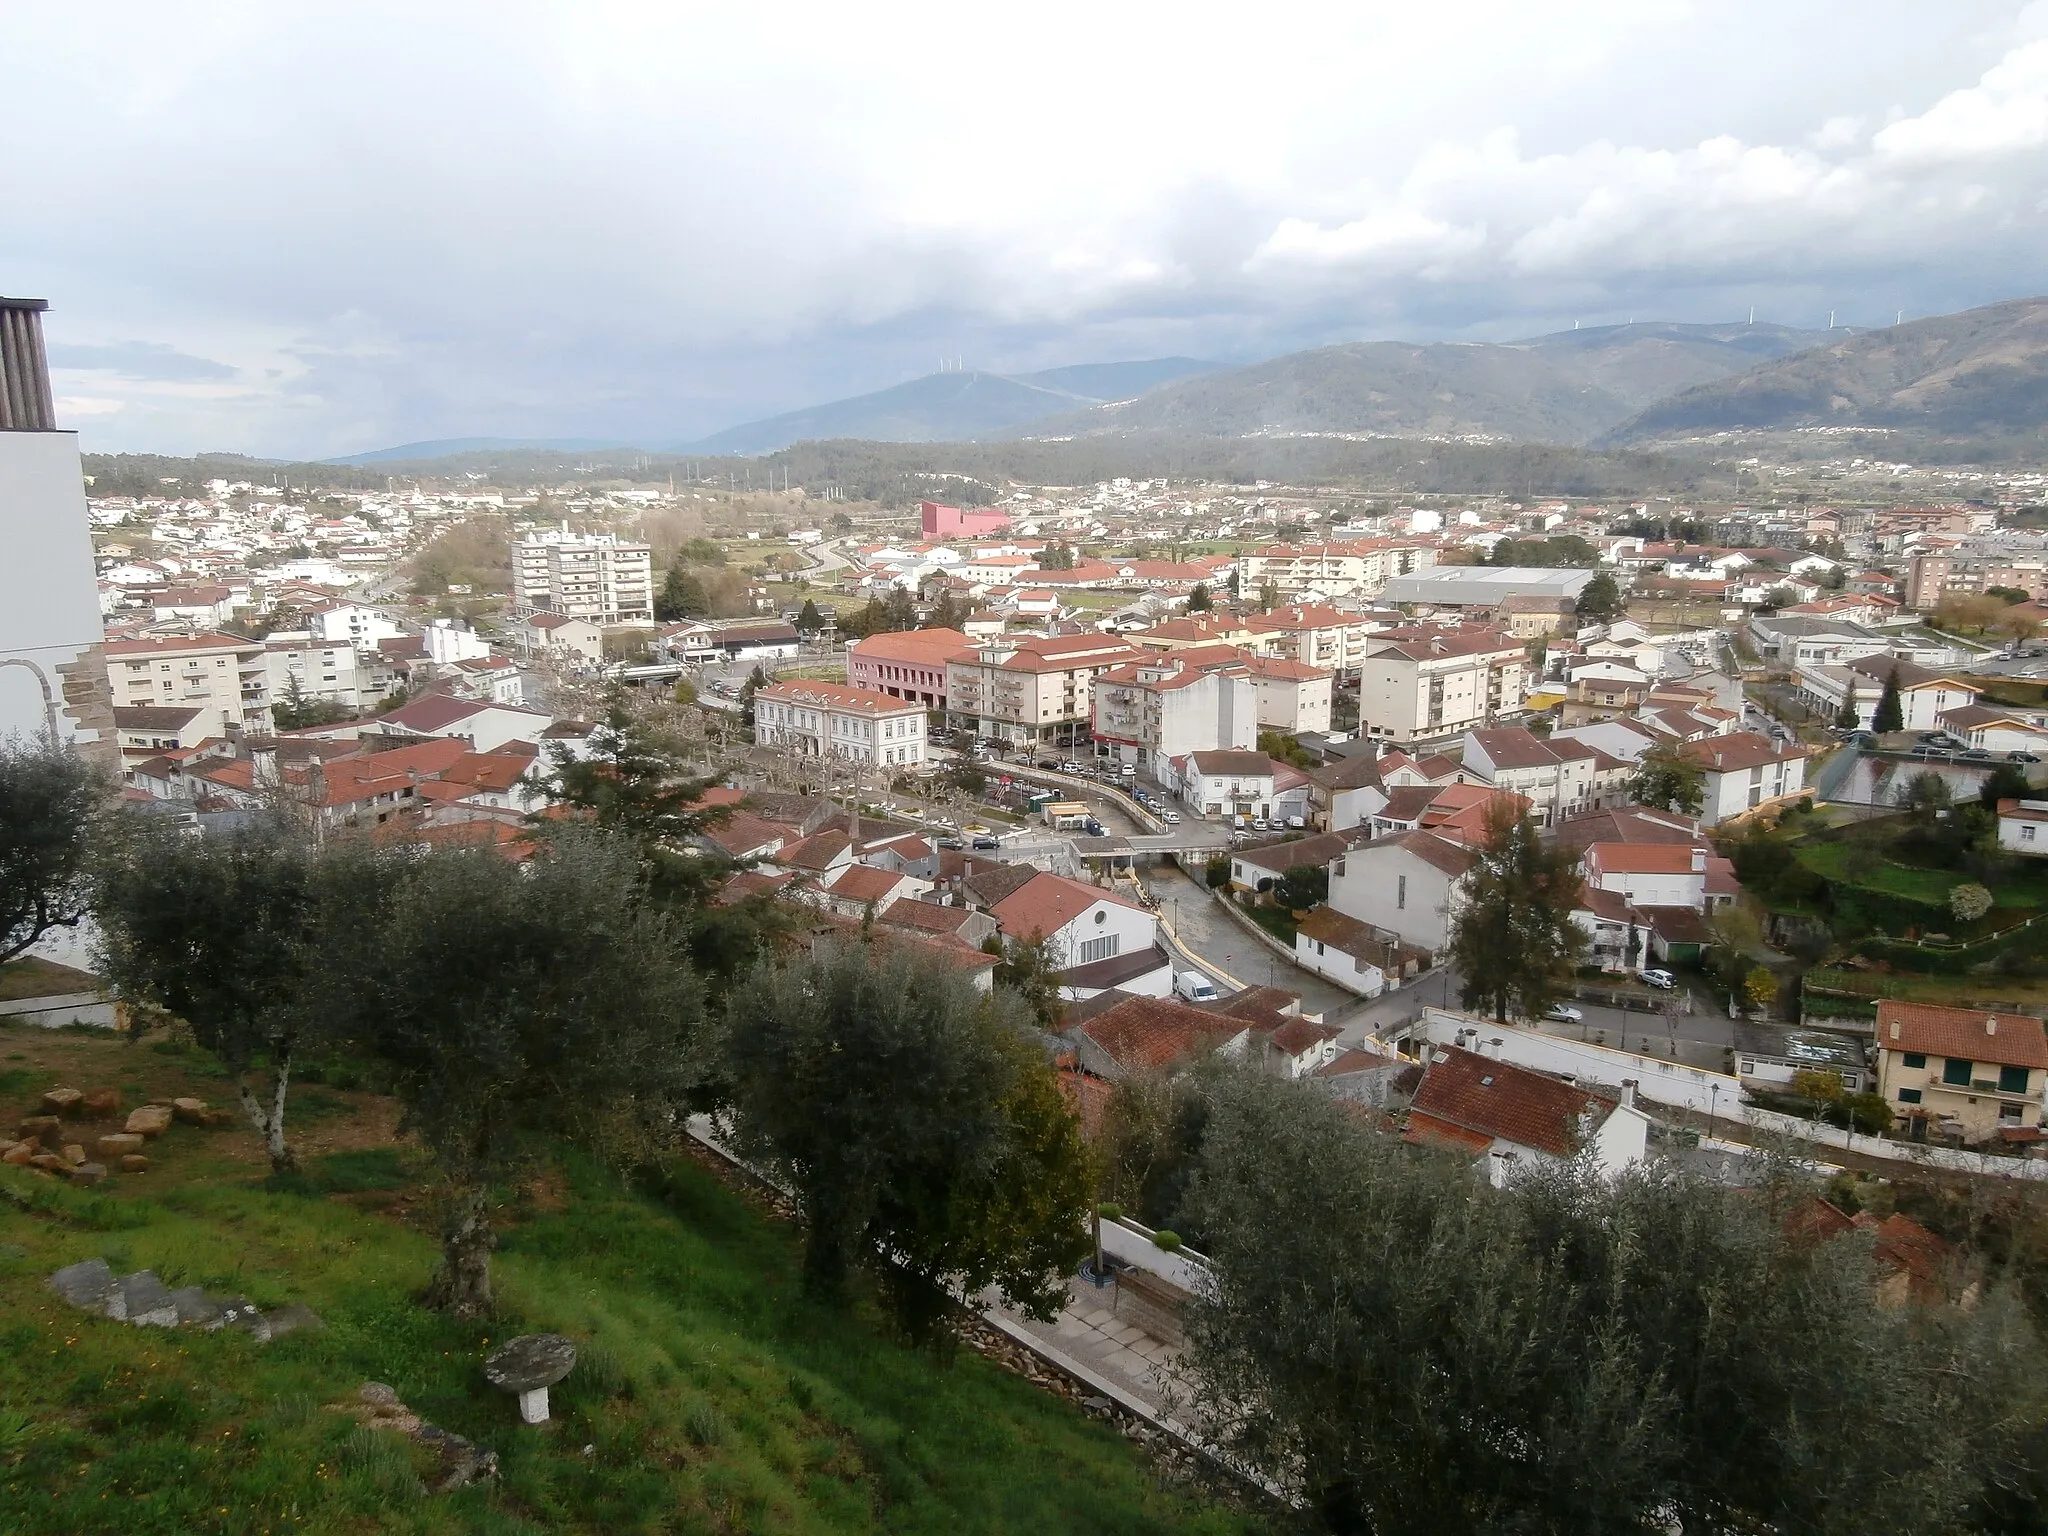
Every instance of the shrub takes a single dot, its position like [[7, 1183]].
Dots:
[[1969, 902], [1166, 1242], [703, 1425], [1217, 871]]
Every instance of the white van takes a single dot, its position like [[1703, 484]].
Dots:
[[1194, 987]]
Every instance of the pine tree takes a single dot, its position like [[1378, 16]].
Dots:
[[1891, 714], [1515, 941], [1198, 600], [810, 621]]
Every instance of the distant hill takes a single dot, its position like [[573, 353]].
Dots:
[[442, 448], [1565, 388], [1979, 374], [953, 407]]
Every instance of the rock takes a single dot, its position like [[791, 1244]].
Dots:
[[134, 1162], [88, 1174], [237, 1312], [18, 1152], [141, 1299], [86, 1285], [529, 1366], [49, 1162], [150, 1120], [290, 1318], [120, 1144], [101, 1104], [1095, 1404], [41, 1127], [190, 1111], [62, 1102], [377, 1395], [195, 1306], [73, 1154]]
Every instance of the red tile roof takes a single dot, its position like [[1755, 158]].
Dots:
[[1964, 1034], [1478, 1094], [1148, 1033], [1045, 904]]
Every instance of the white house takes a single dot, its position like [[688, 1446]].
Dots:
[[1085, 928], [1342, 949], [1998, 729], [2023, 826], [1410, 886], [1924, 695], [486, 727], [1743, 771], [1225, 783], [1516, 1119]]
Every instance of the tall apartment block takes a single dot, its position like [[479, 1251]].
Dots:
[[586, 576], [53, 667]]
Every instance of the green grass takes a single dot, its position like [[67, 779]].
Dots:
[[31, 977], [1277, 921], [1832, 860], [711, 1395]]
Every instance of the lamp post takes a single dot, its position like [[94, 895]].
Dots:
[[1713, 1099]]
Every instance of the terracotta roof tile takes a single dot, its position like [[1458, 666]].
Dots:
[[2000, 1039]]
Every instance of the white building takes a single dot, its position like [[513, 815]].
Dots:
[[225, 677], [53, 675], [1031, 688], [1559, 778], [1743, 771], [1090, 934], [1924, 695], [1426, 684], [312, 669], [594, 577], [1410, 886], [838, 721], [1166, 707]]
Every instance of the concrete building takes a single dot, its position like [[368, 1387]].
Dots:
[[1968, 1073], [594, 577], [1428, 684], [905, 664], [568, 639], [53, 672], [1743, 771], [1924, 694], [332, 671], [855, 725], [1294, 698], [938, 521], [1559, 778], [1031, 688], [1361, 566], [226, 678], [1154, 711], [1483, 586], [1410, 886]]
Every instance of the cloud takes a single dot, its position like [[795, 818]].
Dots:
[[137, 360], [629, 218]]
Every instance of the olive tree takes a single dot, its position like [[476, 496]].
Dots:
[[513, 1006], [50, 802], [215, 930], [1415, 1352], [918, 1125]]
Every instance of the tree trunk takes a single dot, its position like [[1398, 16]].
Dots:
[[462, 1285], [269, 1123]]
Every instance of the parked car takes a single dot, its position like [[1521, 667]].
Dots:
[[1923, 750], [2021, 757], [1171, 818], [1049, 764], [1663, 981], [1194, 987], [984, 844], [1977, 755], [1260, 824], [1564, 1013], [1296, 823], [951, 842]]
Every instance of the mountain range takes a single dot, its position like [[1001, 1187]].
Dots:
[[1976, 380]]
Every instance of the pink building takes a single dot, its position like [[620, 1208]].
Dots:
[[906, 664], [943, 522]]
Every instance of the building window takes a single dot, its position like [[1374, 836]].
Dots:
[[1956, 1073], [2008, 1114], [1909, 1095], [1103, 948], [2012, 1079], [1915, 1059], [2027, 833]]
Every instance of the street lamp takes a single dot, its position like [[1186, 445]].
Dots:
[[1713, 1098]]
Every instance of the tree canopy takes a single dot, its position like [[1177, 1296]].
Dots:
[[1513, 938], [1667, 780], [51, 800], [976, 1178], [1601, 601], [1890, 714]]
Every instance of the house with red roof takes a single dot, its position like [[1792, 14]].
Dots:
[[1098, 939], [1966, 1073], [1152, 1034], [1516, 1119]]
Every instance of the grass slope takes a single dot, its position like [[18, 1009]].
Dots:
[[710, 1396]]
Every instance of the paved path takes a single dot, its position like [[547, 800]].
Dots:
[[1219, 945], [1089, 1332]]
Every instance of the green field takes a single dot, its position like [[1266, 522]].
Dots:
[[711, 1396], [1832, 860]]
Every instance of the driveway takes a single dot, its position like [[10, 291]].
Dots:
[[1217, 943]]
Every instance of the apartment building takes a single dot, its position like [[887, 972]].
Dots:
[[1317, 635], [905, 664], [1153, 711], [1559, 778], [1925, 695], [1744, 770], [227, 679], [334, 671], [855, 725], [1933, 576], [594, 577], [1362, 566], [1031, 688], [1425, 684]]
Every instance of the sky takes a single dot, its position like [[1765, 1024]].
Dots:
[[300, 231]]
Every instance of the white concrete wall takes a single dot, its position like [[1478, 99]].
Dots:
[[49, 596], [1362, 977], [1370, 888], [1136, 931]]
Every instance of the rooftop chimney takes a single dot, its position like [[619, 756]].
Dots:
[[25, 404], [1628, 1093], [1991, 1024]]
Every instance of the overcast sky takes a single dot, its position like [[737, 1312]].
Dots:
[[293, 234]]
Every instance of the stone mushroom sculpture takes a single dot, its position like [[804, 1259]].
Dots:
[[529, 1366]]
